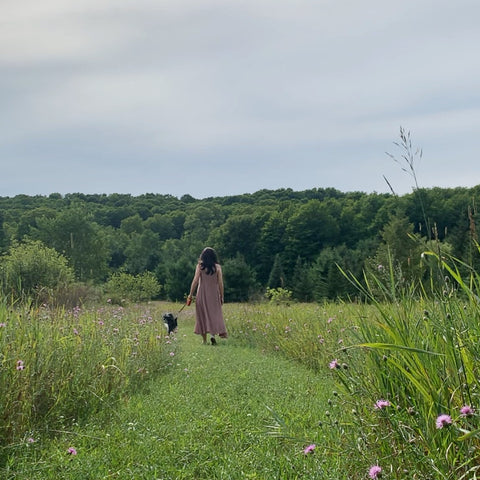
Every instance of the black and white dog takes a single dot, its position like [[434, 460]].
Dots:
[[170, 322]]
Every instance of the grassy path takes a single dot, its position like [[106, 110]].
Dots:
[[209, 417]]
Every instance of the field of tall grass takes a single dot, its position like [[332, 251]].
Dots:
[[405, 373], [58, 367]]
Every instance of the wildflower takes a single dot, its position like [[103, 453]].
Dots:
[[20, 365], [309, 449], [466, 411], [443, 421], [71, 451], [75, 331], [375, 472], [379, 404], [172, 354], [3, 324], [334, 364], [30, 440]]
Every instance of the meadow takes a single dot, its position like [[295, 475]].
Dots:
[[383, 388]]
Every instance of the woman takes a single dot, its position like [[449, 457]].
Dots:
[[208, 286]]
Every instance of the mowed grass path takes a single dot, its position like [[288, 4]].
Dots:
[[211, 416]]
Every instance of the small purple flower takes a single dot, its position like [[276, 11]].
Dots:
[[71, 451], [30, 440], [443, 421], [20, 365], [379, 404], [3, 324], [309, 449], [466, 411], [334, 364], [172, 354], [375, 472]]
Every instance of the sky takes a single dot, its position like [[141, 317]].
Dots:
[[225, 97]]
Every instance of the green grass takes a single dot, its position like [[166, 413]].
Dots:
[[248, 407], [223, 412]]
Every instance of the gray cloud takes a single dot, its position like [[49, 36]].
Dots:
[[147, 96]]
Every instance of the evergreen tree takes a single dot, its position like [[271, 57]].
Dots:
[[277, 277]]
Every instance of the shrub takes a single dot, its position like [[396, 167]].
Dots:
[[30, 268], [278, 295], [124, 286]]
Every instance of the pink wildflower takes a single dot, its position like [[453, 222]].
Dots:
[[379, 404], [466, 411], [71, 451], [443, 421], [20, 365], [172, 354], [375, 472], [334, 364], [309, 449]]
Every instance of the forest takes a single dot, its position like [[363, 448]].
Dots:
[[297, 241]]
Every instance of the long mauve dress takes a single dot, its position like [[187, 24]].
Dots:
[[208, 306]]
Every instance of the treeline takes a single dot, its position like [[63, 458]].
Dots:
[[275, 239]]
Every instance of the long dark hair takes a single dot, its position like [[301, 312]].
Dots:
[[208, 260]]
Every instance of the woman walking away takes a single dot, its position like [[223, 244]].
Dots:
[[208, 286]]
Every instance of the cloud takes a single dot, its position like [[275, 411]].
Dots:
[[321, 85]]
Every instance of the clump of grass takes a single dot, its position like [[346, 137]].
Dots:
[[59, 367]]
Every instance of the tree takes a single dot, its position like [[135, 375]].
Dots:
[[309, 230], [239, 279], [73, 234], [301, 282], [31, 266], [277, 276]]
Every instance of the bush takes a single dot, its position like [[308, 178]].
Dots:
[[31, 268], [278, 295], [124, 286]]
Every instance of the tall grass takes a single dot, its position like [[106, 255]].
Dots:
[[407, 369], [59, 367]]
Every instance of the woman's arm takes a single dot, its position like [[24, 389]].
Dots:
[[220, 282], [196, 278]]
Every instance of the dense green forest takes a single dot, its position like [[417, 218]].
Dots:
[[271, 238]]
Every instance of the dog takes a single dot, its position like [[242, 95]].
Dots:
[[170, 322]]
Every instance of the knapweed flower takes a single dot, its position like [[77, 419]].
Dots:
[[443, 421], [309, 449], [71, 451], [375, 472], [379, 404], [334, 364], [20, 365], [466, 411]]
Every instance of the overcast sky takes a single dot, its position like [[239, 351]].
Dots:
[[224, 97]]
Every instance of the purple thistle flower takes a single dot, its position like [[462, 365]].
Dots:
[[379, 404], [309, 449], [443, 421], [334, 364], [375, 472], [466, 411]]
